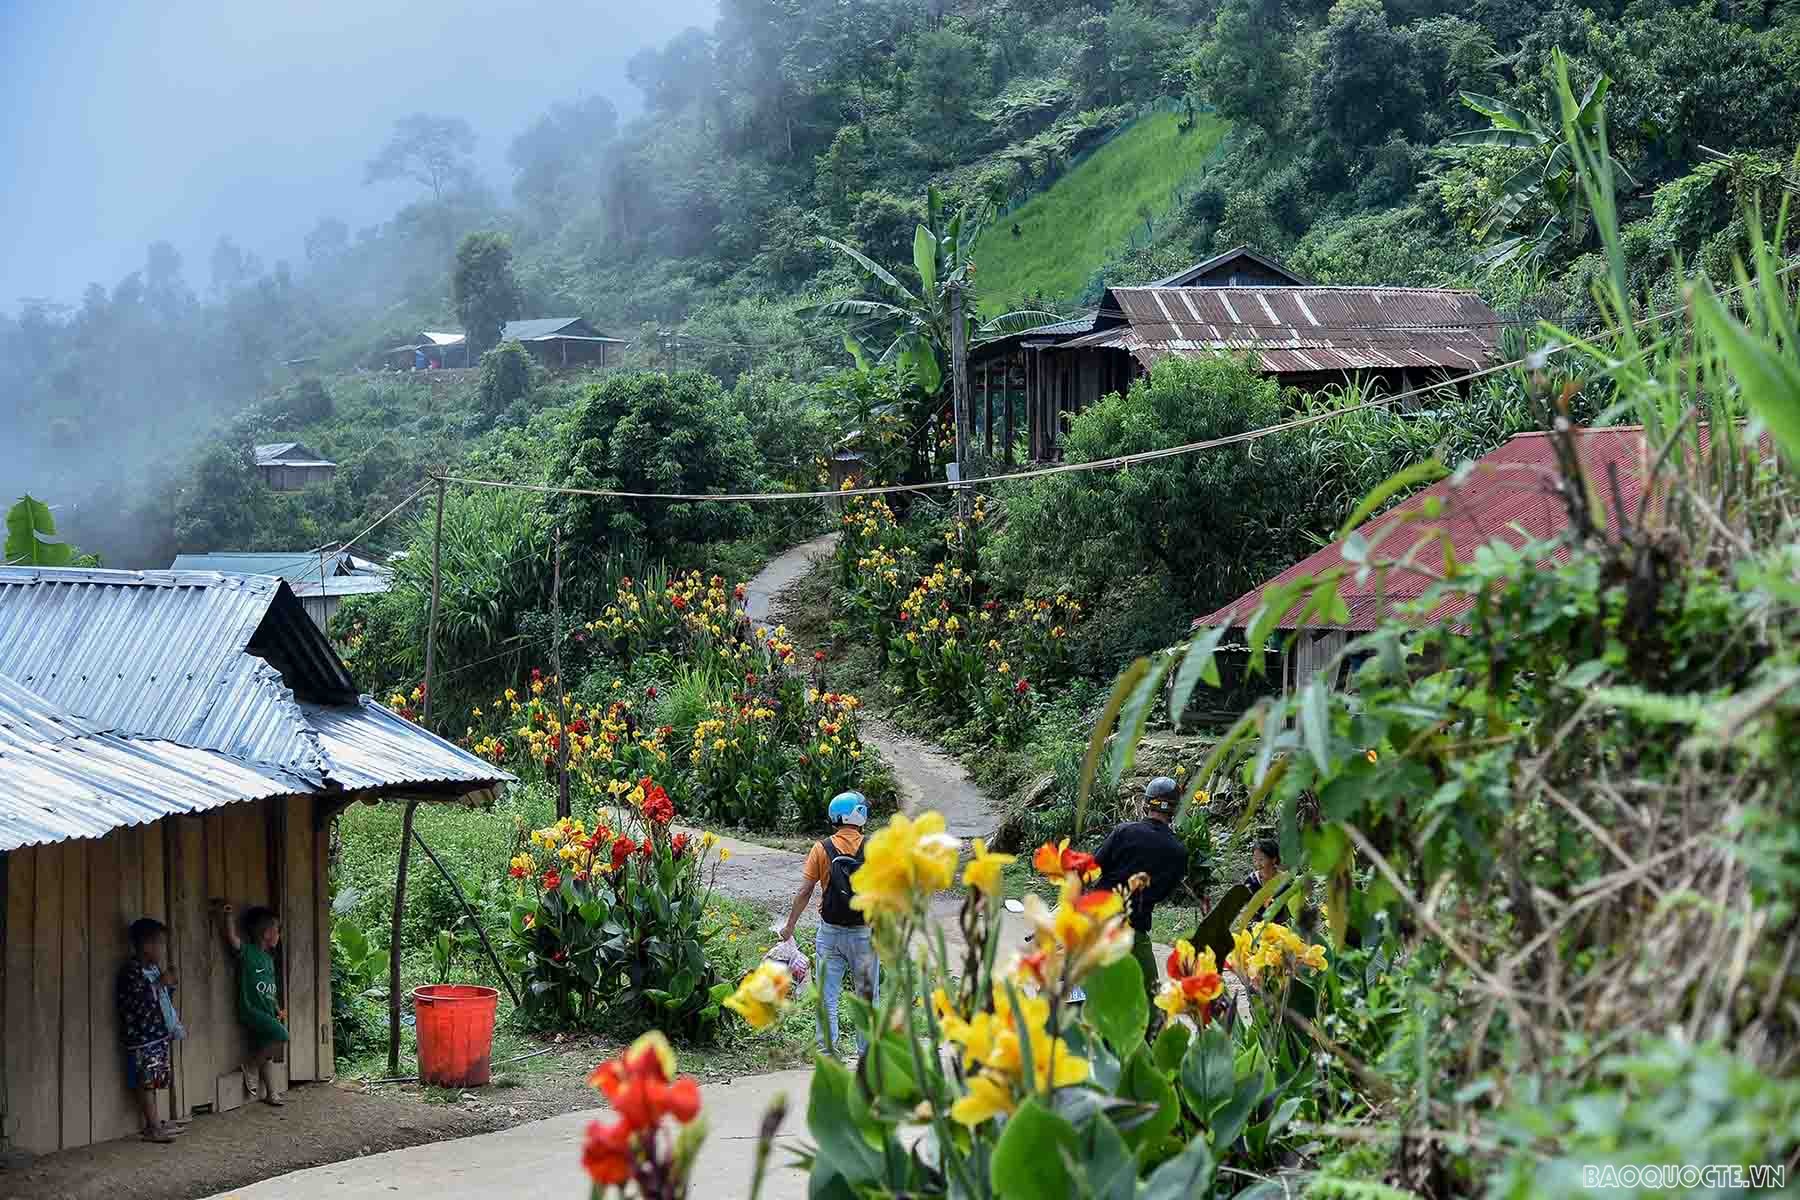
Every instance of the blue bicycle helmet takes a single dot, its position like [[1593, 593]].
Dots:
[[848, 808]]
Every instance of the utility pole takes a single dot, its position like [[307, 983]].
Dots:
[[959, 372], [412, 806], [563, 808]]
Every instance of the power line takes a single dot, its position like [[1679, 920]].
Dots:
[[1113, 463]]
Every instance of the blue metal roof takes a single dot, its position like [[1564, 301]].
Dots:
[[344, 574]]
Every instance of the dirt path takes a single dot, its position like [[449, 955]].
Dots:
[[928, 779]]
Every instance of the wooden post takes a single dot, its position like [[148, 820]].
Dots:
[[987, 408], [412, 806], [406, 840], [959, 384], [563, 807], [1006, 399]]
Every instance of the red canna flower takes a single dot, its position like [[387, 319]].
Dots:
[[1052, 859], [818, 656], [552, 880], [621, 850], [1023, 686], [516, 871], [650, 692], [607, 1155], [679, 844]]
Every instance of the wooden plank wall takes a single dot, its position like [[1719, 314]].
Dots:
[[67, 909]]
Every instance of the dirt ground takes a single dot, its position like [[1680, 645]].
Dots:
[[322, 1123]]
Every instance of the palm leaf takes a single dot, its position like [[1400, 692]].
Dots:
[[1514, 139], [1498, 111], [871, 266], [1017, 321], [925, 259]]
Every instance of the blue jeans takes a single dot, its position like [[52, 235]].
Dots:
[[845, 950]]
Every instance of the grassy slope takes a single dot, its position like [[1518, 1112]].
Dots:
[[1068, 230]]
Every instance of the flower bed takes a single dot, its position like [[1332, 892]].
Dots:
[[609, 918]]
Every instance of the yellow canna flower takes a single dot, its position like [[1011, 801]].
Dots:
[[987, 1098], [903, 863], [983, 871], [763, 995]]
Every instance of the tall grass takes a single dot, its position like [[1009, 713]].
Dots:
[[1067, 231]]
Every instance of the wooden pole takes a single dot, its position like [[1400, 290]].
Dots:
[[563, 808], [987, 408], [412, 806], [959, 386]]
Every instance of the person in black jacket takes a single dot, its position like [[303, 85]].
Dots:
[[1147, 848]]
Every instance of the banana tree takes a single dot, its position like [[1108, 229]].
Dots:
[[912, 324], [1549, 180], [31, 539]]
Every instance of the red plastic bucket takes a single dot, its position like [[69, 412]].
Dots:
[[456, 1033]]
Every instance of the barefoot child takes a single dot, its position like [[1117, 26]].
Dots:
[[144, 1024], [257, 1005]]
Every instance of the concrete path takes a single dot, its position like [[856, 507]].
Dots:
[[543, 1158], [928, 778]]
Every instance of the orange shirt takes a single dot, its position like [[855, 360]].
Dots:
[[848, 839]]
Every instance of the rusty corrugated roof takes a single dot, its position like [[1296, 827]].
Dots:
[[1512, 495], [1303, 330]]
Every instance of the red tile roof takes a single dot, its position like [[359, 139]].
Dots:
[[1512, 494]]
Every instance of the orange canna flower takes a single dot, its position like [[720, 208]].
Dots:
[[607, 1154]]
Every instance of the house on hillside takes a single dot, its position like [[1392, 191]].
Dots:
[[1305, 335], [320, 580], [554, 341], [170, 740], [1512, 495], [290, 466]]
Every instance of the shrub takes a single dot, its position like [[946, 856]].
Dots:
[[611, 922]]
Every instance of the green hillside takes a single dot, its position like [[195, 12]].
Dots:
[[1067, 231]]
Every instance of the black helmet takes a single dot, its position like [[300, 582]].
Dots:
[[1162, 795]]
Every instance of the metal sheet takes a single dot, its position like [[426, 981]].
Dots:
[[371, 747], [1512, 495], [1302, 330], [60, 778], [156, 654]]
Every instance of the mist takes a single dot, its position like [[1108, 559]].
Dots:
[[133, 123], [188, 198]]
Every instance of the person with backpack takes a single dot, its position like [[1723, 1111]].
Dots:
[[844, 947]]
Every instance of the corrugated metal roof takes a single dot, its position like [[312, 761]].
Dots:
[[345, 574], [442, 339], [1303, 330], [60, 778], [1512, 495], [155, 677], [370, 747], [158, 654], [289, 454]]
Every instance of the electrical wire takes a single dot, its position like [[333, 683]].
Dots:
[[1113, 463]]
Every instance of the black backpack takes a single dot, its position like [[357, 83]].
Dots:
[[834, 908]]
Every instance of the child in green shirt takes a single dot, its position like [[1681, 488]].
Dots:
[[258, 1002]]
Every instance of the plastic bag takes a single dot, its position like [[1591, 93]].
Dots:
[[789, 955]]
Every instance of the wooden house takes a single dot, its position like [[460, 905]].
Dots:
[[1511, 495], [563, 341], [321, 580], [1305, 335], [290, 466], [170, 741]]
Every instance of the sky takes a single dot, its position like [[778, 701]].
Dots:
[[127, 122]]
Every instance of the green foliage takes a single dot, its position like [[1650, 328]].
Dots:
[[1067, 231], [506, 372], [31, 539], [1233, 509], [605, 925], [483, 288], [643, 432]]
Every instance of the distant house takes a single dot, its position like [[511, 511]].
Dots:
[[1305, 335], [290, 466], [554, 341], [169, 741], [319, 581], [562, 341]]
